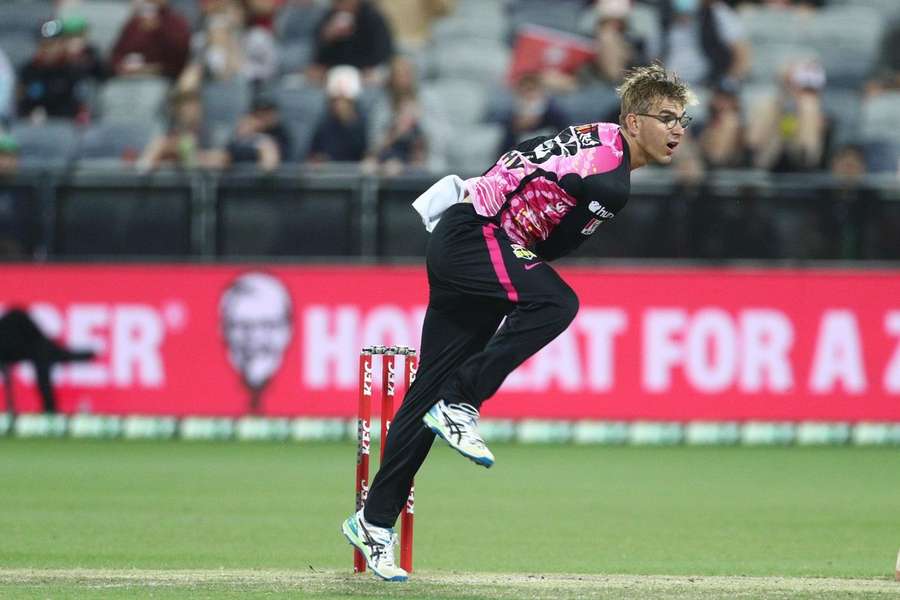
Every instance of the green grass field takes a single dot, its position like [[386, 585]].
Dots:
[[123, 519]]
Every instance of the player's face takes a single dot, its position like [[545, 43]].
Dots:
[[661, 130]]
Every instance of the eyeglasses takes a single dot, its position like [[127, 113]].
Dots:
[[670, 120]]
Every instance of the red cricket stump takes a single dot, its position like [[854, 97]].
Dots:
[[363, 429], [408, 516], [363, 435], [388, 364]]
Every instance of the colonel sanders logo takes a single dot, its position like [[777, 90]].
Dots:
[[255, 313]]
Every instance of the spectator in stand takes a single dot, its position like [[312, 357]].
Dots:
[[703, 41], [790, 132], [403, 146], [398, 141], [51, 83], [534, 113], [209, 8], [7, 90], [262, 13], [154, 41], [341, 134], [184, 144], [260, 138], [616, 48], [402, 80], [848, 164], [723, 138], [410, 20], [216, 49], [354, 33], [9, 155], [17, 217], [260, 55], [230, 43], [259, 45], [54, 83], [81, 55]]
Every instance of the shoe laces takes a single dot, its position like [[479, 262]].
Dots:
[[387, 558], [468, 414], [386, 538]]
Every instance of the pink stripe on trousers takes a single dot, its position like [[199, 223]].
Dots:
[[497, 260]]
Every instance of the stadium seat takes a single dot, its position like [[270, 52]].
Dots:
[[457, 101], [293, 58], [25, 17], [589, 104], [122, 98], [18, 46], [563, 15], [847, 41], [753, 94], [454, 29], [105, 20], [843, 106], [300, 106], [474, 149], [475, 59], [770, 60], [297, 22], [439, 135], [764, 25], [224, 103], [879, 118], [499, 104], [370, 97], [189, 9], [887, 9], [474, 10], [52, 144], [116, 140], [644, 22], [882, 156]]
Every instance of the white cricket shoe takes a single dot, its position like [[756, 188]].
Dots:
[[376, 545], [458, 425]]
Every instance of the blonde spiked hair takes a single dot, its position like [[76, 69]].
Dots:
[[644, 86]]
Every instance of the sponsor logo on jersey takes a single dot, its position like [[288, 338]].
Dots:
[[523, 252], [591, 227], [600, 210]]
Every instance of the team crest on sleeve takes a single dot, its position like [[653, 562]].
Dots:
[[522, 252], [588, 135]]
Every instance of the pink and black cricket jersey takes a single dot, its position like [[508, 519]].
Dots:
[[491, 305], [551, 194]]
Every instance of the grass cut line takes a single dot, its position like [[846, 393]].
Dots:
[[453, 585]]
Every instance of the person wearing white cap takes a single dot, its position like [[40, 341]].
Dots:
[[341, 134]]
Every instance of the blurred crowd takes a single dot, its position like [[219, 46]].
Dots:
[[400, 86]]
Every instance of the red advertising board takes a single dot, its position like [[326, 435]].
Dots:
[[667, 344]]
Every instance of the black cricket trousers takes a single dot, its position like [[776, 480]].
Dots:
[[476, 277]]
